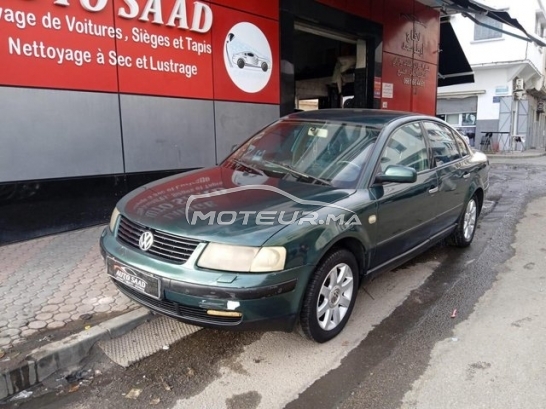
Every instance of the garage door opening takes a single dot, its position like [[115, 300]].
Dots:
[[325, 64]]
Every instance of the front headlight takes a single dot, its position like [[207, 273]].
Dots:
[[114, 219], [242, 259]]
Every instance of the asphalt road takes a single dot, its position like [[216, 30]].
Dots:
[[390, 355]]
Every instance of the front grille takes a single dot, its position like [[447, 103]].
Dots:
[[166, 246], [175, 309]]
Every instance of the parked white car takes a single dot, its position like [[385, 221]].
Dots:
[[251, 59]]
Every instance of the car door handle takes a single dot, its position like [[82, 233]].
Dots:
[[466, 175], [433, 190]]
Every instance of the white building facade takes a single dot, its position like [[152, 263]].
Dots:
[[508, 95]]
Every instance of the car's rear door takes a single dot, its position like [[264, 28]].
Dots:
[[405, 210], [453, 180]]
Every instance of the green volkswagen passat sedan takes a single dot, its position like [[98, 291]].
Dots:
[[283, 231]]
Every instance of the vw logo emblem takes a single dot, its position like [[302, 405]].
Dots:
[[146, 240]]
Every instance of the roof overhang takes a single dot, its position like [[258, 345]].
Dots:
[[471, 8], [453, 66], [460, 94]]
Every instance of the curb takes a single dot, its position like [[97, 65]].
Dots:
[[48, 359], [511, 157]]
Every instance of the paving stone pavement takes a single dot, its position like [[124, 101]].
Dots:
[[48, 282]]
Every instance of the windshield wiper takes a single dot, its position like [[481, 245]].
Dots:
[[295, 172], [246, 165]]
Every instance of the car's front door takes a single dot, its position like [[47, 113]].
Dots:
[[405, 210], [453, 181]]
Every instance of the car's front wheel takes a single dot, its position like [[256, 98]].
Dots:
[[466, 226], [241, 63], [330, 296], [265, 67]]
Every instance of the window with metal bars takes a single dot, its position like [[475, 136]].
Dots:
[[485, 33]]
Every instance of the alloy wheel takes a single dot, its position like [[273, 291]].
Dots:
[[470, 219], [335, 296]]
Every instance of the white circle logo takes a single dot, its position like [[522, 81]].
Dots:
[[248, 57]]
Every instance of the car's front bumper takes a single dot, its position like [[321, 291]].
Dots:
[[204, 298]]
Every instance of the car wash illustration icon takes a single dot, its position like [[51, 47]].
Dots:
[[248, 57]]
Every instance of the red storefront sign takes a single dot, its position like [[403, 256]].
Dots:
[[171, 54], [40, 46], [151, 47]]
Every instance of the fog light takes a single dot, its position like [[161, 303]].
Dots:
[[232, 314]]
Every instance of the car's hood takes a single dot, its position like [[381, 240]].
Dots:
[[182, 204]]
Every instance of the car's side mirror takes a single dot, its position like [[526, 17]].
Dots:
[[234, 147], [397, 174]]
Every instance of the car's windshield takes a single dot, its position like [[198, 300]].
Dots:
[[329, 153]]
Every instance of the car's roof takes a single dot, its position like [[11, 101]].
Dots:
[[352, 115]]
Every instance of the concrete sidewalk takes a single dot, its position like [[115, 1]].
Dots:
[[53, 282], [57, 302], [496, 358]]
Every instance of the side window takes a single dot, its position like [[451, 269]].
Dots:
[[406, 147], [442, 143], [463, 148]]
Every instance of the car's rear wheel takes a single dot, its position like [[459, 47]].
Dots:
[[330, 296], [265, 67], [466, 226], [241, 63]]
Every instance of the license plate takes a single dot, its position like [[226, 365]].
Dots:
[[134, 278]]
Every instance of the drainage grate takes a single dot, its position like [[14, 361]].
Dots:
[[146, 340]]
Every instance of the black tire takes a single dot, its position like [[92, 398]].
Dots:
[[241, 63], [265, 67], [310, 324], [460, 236]]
